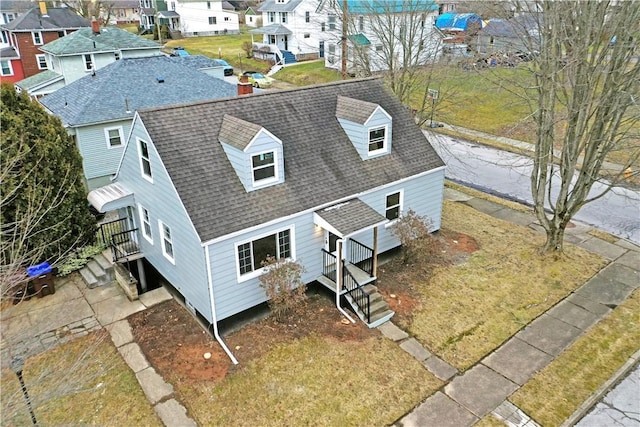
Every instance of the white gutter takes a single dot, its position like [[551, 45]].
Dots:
[[339, 268], [213, 311]]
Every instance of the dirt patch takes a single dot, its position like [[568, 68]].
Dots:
[[397, 280], [175, 343]]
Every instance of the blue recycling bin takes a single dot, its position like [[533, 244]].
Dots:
[[42, 279]]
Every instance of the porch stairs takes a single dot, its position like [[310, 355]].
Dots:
[[98, 272], [379, 310], [288, 57]]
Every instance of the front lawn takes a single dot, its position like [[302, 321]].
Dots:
[[463, 311], [308, 73], [82, 382]]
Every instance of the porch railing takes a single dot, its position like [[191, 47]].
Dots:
[[361, 256], [108, 229], [123, 244], [329, 263], [355, 291]]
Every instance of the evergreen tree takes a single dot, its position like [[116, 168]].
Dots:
[[43, 207]]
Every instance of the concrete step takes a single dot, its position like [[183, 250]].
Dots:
[[106, 265], [89, 278], [378, 306], [370, 289], [97, 270], [380, 318]]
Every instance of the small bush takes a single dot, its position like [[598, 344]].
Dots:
[[282, 281], [413, 231], [247, 46], [78, 259]]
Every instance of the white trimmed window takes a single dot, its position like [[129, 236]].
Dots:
[[88, 61], [145, 162], [283, 17], [263, 168], [167, 242], [307, 35], [42, 62], [37, 37], [145, 220], [213, 20], [250, 255], [271, 16], [377, 140], [307, 17], [332, 22], [5, 68], [114, 136], [393, 206]]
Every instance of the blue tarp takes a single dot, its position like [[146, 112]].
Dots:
[[385, 6], [39, 269], [457, 21]]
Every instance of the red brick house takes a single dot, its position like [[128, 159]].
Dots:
[[37, 27]]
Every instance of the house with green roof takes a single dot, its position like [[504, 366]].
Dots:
[[82, 53], [97, 110]]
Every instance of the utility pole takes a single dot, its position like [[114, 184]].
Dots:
[[345, 33]]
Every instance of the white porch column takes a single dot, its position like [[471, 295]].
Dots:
[[375, 251]]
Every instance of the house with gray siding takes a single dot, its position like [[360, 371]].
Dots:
[[314, 174], [98, 110]]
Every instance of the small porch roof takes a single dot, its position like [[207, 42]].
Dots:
[[168, 14], [348, 218], [272, 29], [111, 197]]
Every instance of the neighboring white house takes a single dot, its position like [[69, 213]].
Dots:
[[370, 24], [292, 30], [204, 18]]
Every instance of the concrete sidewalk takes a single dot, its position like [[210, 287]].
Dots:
[[485, 388], [40, 324]]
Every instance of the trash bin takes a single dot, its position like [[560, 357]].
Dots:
[[42, 279]]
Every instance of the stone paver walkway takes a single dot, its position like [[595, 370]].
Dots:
[[40, 324], [484, 389]]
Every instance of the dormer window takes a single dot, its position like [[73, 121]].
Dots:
[[264, 167], [377, 140]]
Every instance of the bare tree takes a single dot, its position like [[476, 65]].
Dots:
[[587, 85], [92, 8]]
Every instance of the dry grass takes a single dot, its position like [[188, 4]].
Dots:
[[586, 365], [316, 381], [603, 235], [468, 310], [489, 421], [485, 196], [83, 382]]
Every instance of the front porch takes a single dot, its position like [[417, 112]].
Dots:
[[348, 266]]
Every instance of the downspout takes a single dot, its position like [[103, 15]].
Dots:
[[213, 311], [339, 268]]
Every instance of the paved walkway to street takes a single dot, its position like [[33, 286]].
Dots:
[[485, 388]]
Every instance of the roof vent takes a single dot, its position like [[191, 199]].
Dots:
[[160, 79]]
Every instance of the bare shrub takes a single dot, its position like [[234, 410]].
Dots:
[[414, 233], [247, 47], [283, 283]]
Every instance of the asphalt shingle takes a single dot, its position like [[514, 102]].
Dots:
[[57, 18], [109, 39], [132, 84], [321, 164]]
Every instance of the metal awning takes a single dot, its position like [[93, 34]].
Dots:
[[273, 29], [359, 40], [111, 197], [168, 14], [348, 218]]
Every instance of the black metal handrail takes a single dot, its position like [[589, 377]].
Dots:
[[361, 256], [329, 263], [359, 296], [108, 229], [123, 244]]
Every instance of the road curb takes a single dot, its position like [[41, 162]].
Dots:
[[604, 388]]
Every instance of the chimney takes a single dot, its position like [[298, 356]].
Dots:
[[95, 25], [43, 8], [244, 87]]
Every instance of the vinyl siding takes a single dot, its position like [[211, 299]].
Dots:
[[359, 134], [188, 275], [98, 160], [422, 194]]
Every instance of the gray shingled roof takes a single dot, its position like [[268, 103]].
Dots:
[[321, 164], [354, 110], [277, 29], [133, 82], [38, 79], [351, 216], [236, 132], [9, 53], [272, 6], [109, 39], [58, 18]]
